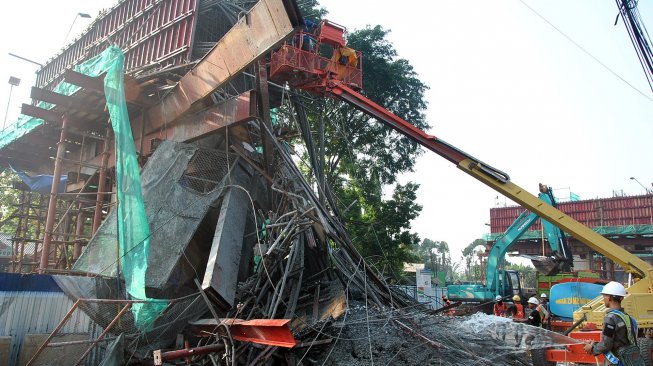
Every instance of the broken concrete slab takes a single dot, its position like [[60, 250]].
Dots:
[[221, 276]]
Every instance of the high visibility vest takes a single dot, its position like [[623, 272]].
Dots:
[[520, 311], [500, 310], [544, 314], [631, 332]]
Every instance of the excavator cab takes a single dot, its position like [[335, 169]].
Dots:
[[316, 54], [512, 283]]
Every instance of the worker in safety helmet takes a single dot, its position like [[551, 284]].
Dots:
[[543, 309], [534, 318], [500, 307], [516, 310], [619, 335]]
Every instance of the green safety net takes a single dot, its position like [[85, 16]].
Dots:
[[133, 229], [24, 124]]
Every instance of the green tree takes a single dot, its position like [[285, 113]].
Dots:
[[527, 274], [362, 156], [357, 144], [381, 231], [9, 198], [436, 256], [470, 255]]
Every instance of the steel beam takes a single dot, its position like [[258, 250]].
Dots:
[[87, 82], [160, 357], [65, 102], [234, 111], [264, 104], [264, 27], [271, 332], [37, 112]]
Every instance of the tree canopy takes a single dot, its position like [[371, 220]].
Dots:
[[362, 157]]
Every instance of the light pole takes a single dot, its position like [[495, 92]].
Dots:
[[78, 15], [640, 183], [13, 81]]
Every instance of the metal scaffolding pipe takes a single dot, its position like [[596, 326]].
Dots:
[[52, 205], [79, 231], [101, 187], [159, 356]]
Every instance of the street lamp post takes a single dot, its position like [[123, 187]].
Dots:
[[647, 190], [13, 81], [78, 15]]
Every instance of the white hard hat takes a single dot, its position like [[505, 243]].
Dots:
[[614, 288], [498, 298], [533, 301], [543, 295]]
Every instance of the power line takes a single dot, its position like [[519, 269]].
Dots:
[[586, 51]]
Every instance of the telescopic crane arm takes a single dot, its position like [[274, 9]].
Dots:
[[500, 182]]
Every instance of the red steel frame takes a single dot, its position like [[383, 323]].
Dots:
[[148, 31]]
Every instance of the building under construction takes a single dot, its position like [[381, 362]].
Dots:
[[161, 218], [625, 220]]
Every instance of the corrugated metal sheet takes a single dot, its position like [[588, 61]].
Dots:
[[38, 312], [614, 211]]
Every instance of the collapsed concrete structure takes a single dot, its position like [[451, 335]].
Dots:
[[236, 230]]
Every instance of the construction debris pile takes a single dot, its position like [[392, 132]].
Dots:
[[245, 262]]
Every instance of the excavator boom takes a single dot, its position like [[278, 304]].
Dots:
[[499, 181]]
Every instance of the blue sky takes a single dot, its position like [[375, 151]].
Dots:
[[504, 86]]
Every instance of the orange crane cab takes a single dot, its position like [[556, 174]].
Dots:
[[315, 55]]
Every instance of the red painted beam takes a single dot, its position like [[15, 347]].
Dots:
[[271, 332]]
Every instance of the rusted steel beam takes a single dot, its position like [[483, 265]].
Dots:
[[52, 205], [234, 111], [264, 27], [87, 82], [49, 96], [65, 102], [160, 357], [264, 104], [37, 112]]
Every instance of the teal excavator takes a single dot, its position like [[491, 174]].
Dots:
[[506, 283]]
